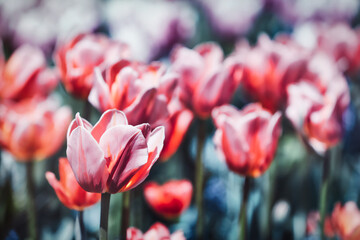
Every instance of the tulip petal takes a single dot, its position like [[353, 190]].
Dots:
[[59, 189], [76, 123], [87, 160], [99, 95]]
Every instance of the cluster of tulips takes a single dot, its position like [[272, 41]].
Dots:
[[147, 108]]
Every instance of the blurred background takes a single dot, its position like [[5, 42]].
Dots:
[[285, 194]]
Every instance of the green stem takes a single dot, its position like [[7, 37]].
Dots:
[[31, 207], [199, 177], [105, 203], [125, 214], [81, 225], [243, 210], [323, 191]]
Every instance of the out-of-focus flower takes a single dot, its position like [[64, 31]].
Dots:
[[25, 74], [33, 129], [77, 59], [344, 222], [176, 127], [327, 10], [337, 40], [316, 105], [247, 139], [141, 91], [156, 232], [169, 200], [230, 18], [112, 156], [43, 22], [68, 190], [150, 28], [206, 80], [268, 68], [312, 222]]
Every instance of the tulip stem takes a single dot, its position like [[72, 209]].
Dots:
[[105, 203], [199, 177], [81, 225], [243, 209], [125, 214], [323, 191], [31, 207]]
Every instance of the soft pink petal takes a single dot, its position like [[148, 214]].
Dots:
[[78, 121], [99, 95]]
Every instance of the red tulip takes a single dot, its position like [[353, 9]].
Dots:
[[206, 81], [156, 232], [33, 129], [268, 68], [344, 222], [141, 91], [246, 139], [77, 59], [25, 74], [112, 156], [169, 200], [316, 105], [68, 190], [175, 128]]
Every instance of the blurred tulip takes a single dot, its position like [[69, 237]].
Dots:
[[68, 190], [247, 139], [141, 91], [169, 200], [156, 232], [77, 59], [338, 40], [150, 36], [316, 105], [33, 129], [112, 156], [25, 74], [206, 81], [268, 68], [312, 222], [344, 222]]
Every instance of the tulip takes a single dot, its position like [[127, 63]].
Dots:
[[156, 232], [268, 68], [316, 105], [141, 91], [25, 75], [77, 59], [68, 190], [112, 156], [33, 129], [169, 200], [206, 80], [344, 222], [246, 139]]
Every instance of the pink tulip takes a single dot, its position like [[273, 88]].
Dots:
[[112, 156], [25, 74], [141, 91], [268, 68], [206, 80], [316, 105], [33, 129], [77, 59], [68, 190], [247, 139], [156, 232]]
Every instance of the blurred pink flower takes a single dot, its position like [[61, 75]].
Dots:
[[112, 156], [156, 232], [33, 129], [25, 74], [317, 103], [268, 68], [68, 190], [206, 79], [150, 28], [77, 59], [247, 139]]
